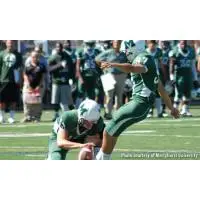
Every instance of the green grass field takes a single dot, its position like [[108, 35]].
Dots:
[[151, 139]]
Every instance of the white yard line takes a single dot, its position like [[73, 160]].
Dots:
[[34, 155], [135, 133], [23, 135], [22, 147], [160, 135], [145, 122], [24, 125], [172, 120], [138, 131], [181, 124], [11, 134]]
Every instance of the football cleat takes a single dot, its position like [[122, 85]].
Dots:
[[11, 120]]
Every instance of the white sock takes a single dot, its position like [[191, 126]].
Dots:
[[64, 107], [176, 105], [158, 103], [103, 156], [1, 114], [12, 113], [185, 108]]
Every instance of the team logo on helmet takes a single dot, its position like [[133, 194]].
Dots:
[[10, 60]]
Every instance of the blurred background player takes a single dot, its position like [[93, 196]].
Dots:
[[75, 127], [86, 71], [182, 72], [104, 45], [114, 55], [156, 53], [60, 67], [67, 47], [10, 77], [127, 46], [165, 47]]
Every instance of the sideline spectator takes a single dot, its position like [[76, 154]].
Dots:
[[10, 64], [72, 53], [183, 73], [156, 53], [43, 63], [60, 66], [33, 84], [87, 71], [114, 55]]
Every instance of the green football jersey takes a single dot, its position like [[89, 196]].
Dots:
[[61, 75], [8, 62], [183, 61], [157, 56], [87, 58], [165, 61], [69, 122], [145, 83]]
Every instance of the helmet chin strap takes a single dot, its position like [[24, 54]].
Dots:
[[81, 126], [84, 132]]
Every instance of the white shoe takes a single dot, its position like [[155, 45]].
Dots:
[[11, 120], [165, 114], [2, 120], [188, 114], [149, 116]]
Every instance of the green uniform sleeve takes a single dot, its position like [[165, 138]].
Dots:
[[51, 60], [172, 53], [79, 54], [148, 62], [193, 56], [97, 52], [62, 122], [159, 53]]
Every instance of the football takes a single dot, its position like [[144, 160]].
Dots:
[[86, 154]]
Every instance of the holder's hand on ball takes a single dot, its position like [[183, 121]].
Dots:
[[175, 113]]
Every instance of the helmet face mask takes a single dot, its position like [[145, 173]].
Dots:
[[85, 124]]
